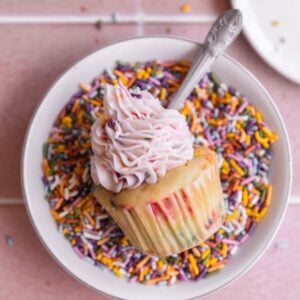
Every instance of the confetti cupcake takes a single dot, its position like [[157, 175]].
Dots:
[[164, 195]]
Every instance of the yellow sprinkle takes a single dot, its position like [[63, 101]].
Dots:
[[212, 261], [163, 94], [233, 216], [85, 87], [197, 104], [258, 117], [146, 76], [67, 121], [263, 212], [141, 74], [245, 197], [243, 136], [160, 264], [149, 70], [205, 253], [117, 271], [193, 264], [247, 139], [237, 167], [185, 111], [186, 8], [261, 140], [77, 229], [221, 231], [99, 256], [224, 249], [225, 167], [107, 261]]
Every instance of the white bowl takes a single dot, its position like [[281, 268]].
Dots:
[[143, 49]]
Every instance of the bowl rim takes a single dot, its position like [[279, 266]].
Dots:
[[172, 37]]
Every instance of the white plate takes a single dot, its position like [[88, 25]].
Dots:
[[272, 27], [142, 49]]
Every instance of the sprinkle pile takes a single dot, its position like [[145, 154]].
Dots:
[[218, 116]]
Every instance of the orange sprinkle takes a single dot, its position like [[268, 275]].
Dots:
[[142, 262], [269, 196], [157, 279], [59, 203], [92, 222], [217, 266], [102, 241]]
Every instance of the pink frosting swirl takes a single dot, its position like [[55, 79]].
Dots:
[[136, 140]]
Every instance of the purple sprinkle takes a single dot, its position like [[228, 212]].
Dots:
[[78, 252], [202, 274]]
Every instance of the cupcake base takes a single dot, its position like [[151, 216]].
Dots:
[[180, 211]]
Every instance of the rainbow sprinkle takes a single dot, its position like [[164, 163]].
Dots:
[[218, 116]]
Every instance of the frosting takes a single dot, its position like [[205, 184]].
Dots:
[[136, 140]]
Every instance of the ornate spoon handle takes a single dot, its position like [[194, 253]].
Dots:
[[223, 31]]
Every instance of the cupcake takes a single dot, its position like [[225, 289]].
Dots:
[[165, 195]]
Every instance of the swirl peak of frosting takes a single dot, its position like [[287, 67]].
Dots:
[[136, 140]]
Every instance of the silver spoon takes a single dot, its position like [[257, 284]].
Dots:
[[223, 31]]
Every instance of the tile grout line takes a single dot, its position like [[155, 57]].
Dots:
[[138, 18], [19, 201]]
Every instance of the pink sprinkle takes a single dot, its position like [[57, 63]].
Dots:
[[231, 242], [248, 180], [92, 252], [244, 239], [78, 252]]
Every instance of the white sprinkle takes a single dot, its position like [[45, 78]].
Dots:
[[90, 246], [66, 194], [92, 236], [254, 200], [55, 183], [225, 229], [172, 280], [238, 198], [72, 182], [63, 214], [102, 217], [234, 250], [110, 74]]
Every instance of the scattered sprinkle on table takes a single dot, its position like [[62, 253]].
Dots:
[[10, 241], [186, 8], [275, 23], [218, 116]]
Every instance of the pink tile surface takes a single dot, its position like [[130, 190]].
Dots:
[[74, 7], [31, 58], [173, 7], [87, 7], [28, 272]]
